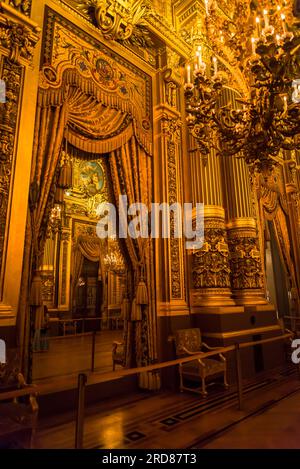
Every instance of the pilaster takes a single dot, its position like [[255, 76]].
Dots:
[[18, 38]]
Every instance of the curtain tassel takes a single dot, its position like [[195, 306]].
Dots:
[[65, 180], [142, 293]]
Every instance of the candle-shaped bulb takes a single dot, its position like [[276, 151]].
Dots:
[[278, 39], [285, 106], [189, 74], [199, 55], [215, 62], [198, 59], [266, 18], [206, 7], [257, 20], [253, 45]]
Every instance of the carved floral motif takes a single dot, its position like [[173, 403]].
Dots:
[[210, 264], [12, 74], [23, 6], [172, 130], [18, 39], [245, 261]]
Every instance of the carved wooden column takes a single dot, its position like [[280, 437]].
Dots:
[[18, 37]]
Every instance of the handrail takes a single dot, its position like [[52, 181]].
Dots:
[[296, 318], [70, 336], [97, 377], [113, 375], [266, 341], [56, 320], [27, 391]]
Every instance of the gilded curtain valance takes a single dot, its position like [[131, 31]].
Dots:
[[105, 79]]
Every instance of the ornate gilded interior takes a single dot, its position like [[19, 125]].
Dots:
[[96, 107]]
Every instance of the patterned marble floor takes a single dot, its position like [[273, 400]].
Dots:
[[168, 420]]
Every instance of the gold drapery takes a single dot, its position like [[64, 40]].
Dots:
[[273, 208], [92, 127], [131, 174], [65, 113]]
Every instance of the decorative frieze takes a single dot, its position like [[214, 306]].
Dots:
[[23, 6], [245, 260], [210, 263], [172, 131]]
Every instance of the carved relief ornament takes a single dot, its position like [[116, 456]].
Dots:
[[18, 35]]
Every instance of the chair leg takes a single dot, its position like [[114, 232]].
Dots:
[[204, 392], [226, 385]]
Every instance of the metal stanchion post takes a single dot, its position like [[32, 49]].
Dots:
[[82, 380], [93, 351], [239, 377]]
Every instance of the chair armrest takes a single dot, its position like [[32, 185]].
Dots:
[[116, 345], [191, 353], [209, 347]]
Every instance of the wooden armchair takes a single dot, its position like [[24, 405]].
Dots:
[[189, 342], [18, 409], [118, 354]]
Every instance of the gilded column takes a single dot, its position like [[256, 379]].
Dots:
[[210, 265], [245, 256], [247, 281]]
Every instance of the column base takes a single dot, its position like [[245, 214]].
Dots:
[[249, 297], [211, 297]]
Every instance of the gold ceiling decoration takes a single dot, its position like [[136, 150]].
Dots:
[[265, 47], [116, 19]]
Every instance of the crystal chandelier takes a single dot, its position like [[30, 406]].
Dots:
[[113, 260], [264, 123]]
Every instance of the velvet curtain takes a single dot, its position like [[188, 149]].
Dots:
[[272, 207], [131, 175], [92, 127]]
